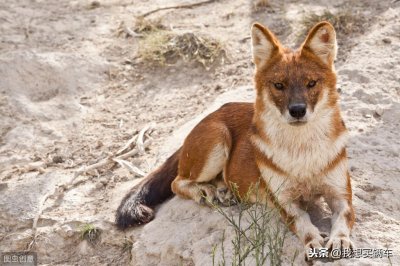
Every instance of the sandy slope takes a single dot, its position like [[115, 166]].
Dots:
[[68, 97]]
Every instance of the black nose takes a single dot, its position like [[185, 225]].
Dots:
[[297, 110]]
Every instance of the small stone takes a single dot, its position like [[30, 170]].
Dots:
[[387, 40], [58, 159], [379, 111], [66, 231], [218, 87], [99, 144], [367, 116], [99, 185], [94, 4]]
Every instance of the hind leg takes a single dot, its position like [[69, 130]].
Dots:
[[203, 158]]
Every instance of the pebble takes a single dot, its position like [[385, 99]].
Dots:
[[58, 159], [99, 185], [387, 40], [367, 116], [66, 231], [379, 111], [94, 4]]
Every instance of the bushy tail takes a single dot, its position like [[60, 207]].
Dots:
[[136, 207]]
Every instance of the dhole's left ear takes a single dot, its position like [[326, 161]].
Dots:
[[264, 44], [321, 41]]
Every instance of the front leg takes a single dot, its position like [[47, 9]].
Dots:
[[339, 199], [280, 193], [303, 227], [297, 219]]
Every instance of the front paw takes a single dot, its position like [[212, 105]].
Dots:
[[339, 243], [225, 197], [313, 247], [207, 195]]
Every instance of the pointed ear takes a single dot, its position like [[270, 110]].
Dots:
[[321, 41], [264, 44]]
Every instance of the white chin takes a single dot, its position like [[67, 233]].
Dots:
[[297, 122]]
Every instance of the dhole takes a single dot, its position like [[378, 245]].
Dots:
[[293, 138]]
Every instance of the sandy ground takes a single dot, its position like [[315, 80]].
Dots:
[[73, 91]]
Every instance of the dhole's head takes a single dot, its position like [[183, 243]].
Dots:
[[295, 85]]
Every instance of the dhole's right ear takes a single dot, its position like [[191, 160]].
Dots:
[[264, 44]]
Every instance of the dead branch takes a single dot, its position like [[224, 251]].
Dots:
[[37, 217], [40, 211], [178, 7], [131, 168], [141, 146], [139, 141], [123, 28], [85, 169], [134, 151], [127, 145], [35, 166], [129, 32], [108, 160]]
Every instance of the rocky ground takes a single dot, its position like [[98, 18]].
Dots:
[[74, 89]]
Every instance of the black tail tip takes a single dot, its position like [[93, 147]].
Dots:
[[136, 215]]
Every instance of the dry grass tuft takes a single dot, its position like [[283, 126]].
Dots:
[[160, 46], [166, 48], [127, 247], [258, 5], [90, 233], [152, 47], [345, 22], [144, 25]]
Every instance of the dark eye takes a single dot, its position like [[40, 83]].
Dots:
[[311, 84], [278, 86]]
